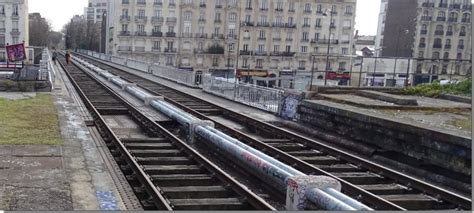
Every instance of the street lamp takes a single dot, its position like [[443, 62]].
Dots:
[[329, 44]]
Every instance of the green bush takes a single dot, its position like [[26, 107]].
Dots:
[[436, 89]]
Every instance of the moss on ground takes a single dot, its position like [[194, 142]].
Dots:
[[29, 121], [465, 124], [436, 89]]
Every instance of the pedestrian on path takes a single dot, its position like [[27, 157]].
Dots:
[[55, 56], [68, 57]]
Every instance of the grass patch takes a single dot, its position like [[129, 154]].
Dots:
[[29, 121], [436, 89], [462, 123]]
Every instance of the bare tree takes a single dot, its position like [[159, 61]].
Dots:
[[40, 28], [82, 34]]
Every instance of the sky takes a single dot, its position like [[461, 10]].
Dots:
[[59, 12]]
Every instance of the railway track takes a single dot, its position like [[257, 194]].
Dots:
[[166, 174], [375, 185]]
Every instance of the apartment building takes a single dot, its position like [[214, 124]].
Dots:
[[381, 27], [14, 26], [256, 37], [94, 11], [443, 38]]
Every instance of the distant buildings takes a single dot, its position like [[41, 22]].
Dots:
[[95, 10], [437, 33], [13, 24], [256, 37]]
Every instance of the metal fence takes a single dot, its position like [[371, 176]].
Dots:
[[185, 77], [47, 71], [259, 97]]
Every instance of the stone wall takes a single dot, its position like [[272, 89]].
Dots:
[[24, 86]]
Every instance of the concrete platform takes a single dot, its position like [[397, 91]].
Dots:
[[70, 176]]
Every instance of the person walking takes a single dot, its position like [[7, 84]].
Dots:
[[55, 56], [68, 57]]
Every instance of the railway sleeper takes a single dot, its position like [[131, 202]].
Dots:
[[170, 180], [339, 168], [360, 177], [173, 169], [195, 192], [209, 204], [320, 160], [417, 202], [386, 189], [161, 153], [165, 161], [146, 146]]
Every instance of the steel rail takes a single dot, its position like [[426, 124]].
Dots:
[[240, 189]]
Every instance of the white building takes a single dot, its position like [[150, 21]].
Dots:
[[255, 37], [14, 26], [96, 8], [381, 27]]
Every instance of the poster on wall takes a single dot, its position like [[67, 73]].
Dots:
[[16, 52]]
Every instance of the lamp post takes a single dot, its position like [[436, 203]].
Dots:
[[312, 75], [329, 45]]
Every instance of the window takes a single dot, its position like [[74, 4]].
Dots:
[[2, 9], [261, 48], [290, 20], [124, 27], [141, 28], [141, 13], [421, 54], [261, 34], [348, 10], [248, 4], [157, 45], [305, 36], [232, 17], [263, 5], [435, 55], [302, 65], [276, 48], [342, 66], [291, 6], [344, 51], [259, 63], [307, 7], [187, 15], [279, 5], [304, 49]]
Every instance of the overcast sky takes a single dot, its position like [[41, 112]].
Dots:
[[59, 12]]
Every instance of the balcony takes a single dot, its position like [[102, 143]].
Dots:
[[423, 32], [157, 20], [246, 37], [426, 18], [284, 25], [291, 10], [427, 4], [279, 9], [325, 41], [441, 19], [170, 34], [264, 9], [186, 35], [449, 33], [171, 5], [422, 45], [125, 2], [462, 34], [461, 47], [307, 11], [124, 49], [306, 25], [452, 20], [455, 6], [170, 50], [139, 49], [215, 49], [141, 3], [200, 35], [304, 40], [443, 5], [467, 7], [156, 49], [218, 6], [247, 24], [217, 36], [202, 20], [124, 33], [263, 24], [171, 20], [261, 38], [217, 21], [156, 34], [348, 13], [345, 42], [2, 30], [158, 3], [140, 33], [276, 39], [202, 5], [141, 19], [245, 52], [437, 46], [318, 26], [439, 32], [466, 20], [248, 8], [319, 12], [301, 68], [289, 39], [231, 36], [447, 46], [125, 18]]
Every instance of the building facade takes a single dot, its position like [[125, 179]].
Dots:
[[443, 40], [255, 37], [14, 24], [381, 27], [95, 10]]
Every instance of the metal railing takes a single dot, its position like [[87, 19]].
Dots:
[[259, 97], [47, 71]]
